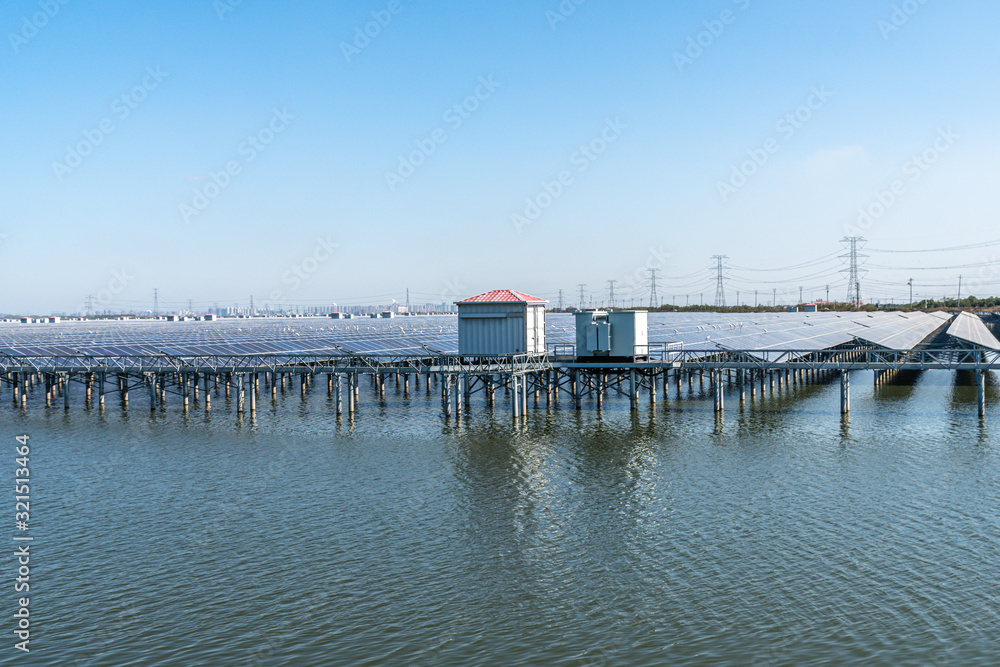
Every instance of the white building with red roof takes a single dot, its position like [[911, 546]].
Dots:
[[501, 322]]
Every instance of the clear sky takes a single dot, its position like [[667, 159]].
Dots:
[[334, 152]]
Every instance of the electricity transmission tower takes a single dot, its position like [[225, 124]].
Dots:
[[720, 291], [583, 298], [560, 299], [90, 305], [611, 292], [654, 300], [852, 243], [156, 302]]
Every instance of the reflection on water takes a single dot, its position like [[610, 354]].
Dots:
[[779, 532]]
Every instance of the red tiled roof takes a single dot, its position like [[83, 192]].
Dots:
[[503, 296]]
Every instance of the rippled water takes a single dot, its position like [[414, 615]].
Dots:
[[778, 534]]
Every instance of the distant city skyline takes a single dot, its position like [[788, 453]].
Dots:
[[329, 152]]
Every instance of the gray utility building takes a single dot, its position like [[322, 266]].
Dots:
[[620, 335], [501, 322]]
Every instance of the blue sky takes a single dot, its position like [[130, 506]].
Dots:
[[237, 148]]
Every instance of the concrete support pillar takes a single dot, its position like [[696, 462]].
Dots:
[[633, 391], [652, 389], [446, 394], [599, 382], [524, 395], [253, 393], [66, 393], [455, 381], [352, 384], [515, 399], [845, 392], [981, 392], [100, 390], [719, 390], [574, 386], [151, 383], [741, 380], [240, 394]]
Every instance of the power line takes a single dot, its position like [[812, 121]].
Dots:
[[824, 258], [932, 268], [970, 246]]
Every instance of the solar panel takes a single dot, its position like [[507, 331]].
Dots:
[[970, 329]]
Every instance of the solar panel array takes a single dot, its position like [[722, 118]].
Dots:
[[970, 329], [312, 336], [769, 331], [432, 334]]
